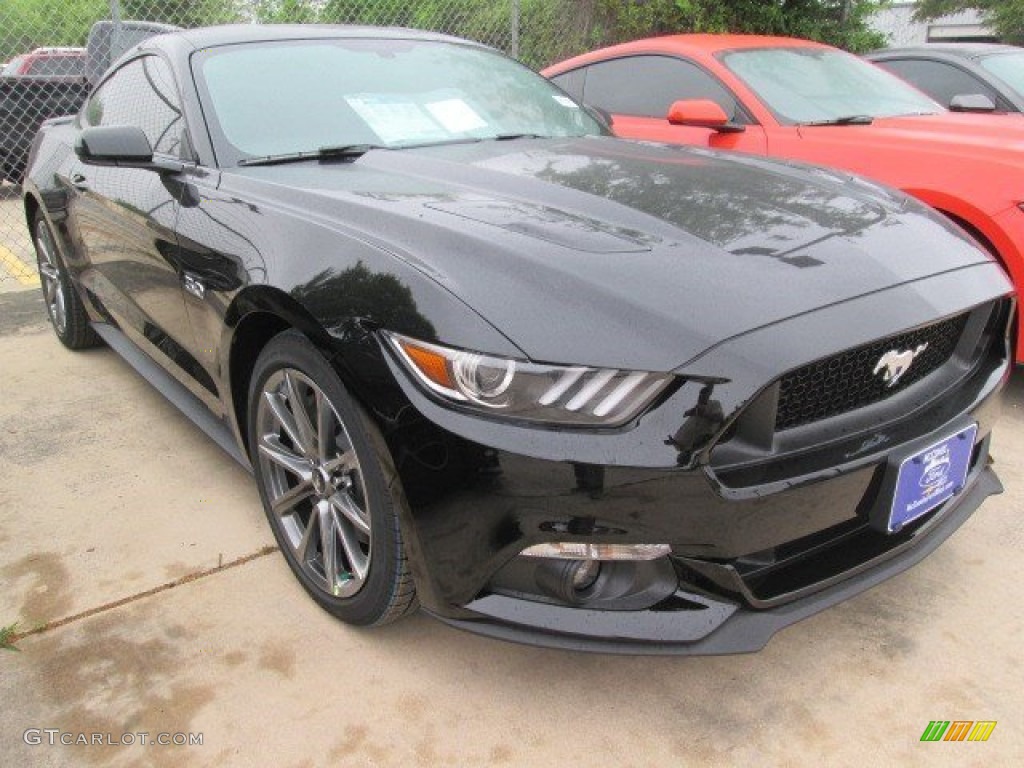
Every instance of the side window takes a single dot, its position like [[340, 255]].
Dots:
[[141, 93], [646, 86], [939, 80], [571, 82]]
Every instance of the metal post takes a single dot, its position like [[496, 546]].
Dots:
[[514, 22], [115, 12]]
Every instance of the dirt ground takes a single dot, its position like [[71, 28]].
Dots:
[[111, 502]]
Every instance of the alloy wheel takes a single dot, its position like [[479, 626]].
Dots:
[[313, 482], [49, 274]]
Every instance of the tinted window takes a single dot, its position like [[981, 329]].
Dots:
[[646, 86], [938, 79], [571, 82], [63, 66], [278, 98], [141, 93]]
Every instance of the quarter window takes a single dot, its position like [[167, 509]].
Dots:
[[141, 93], [646, 86]]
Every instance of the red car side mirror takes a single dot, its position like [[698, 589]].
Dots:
[[701, 113]]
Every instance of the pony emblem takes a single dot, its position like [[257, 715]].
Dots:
[[893, 364]]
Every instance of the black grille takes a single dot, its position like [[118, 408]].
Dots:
[[847, 381]]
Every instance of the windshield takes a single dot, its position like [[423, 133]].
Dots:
[[301, 96], [810, 85], [1008, 67]]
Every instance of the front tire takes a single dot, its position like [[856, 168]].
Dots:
[[328, 485], [63, 304]]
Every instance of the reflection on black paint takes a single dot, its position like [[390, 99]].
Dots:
[[356, 293], [745, 213]]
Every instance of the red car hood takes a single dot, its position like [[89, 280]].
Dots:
[[990, 135]]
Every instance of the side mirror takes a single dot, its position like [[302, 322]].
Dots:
[[124, 146], [702, 113], [971, 102]]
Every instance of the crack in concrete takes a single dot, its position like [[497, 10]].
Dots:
[[187, 579]]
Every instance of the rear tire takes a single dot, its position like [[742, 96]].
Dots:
[[325, 475], [63, 304]]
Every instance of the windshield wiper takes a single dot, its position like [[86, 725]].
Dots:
[[344, 151], [845, 120], [512, 136]]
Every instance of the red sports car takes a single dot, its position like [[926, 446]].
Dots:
[[805, 101]]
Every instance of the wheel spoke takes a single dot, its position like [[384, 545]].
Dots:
[[304, 429], [346, 505], [304, 547], [346, 462], [359, 562], [48, 270], [285, 418], [287, 501], [49, 290], [272, 447], [328, 545], [324, 421]]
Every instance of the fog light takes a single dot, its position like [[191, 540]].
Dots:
[[585, 573], [575, 551]]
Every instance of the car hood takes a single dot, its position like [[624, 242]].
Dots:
[[605, 252], [992, 137]]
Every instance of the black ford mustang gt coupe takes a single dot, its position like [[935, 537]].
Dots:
[[482, 357]]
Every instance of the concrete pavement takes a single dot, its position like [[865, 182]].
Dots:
[[111, 502]]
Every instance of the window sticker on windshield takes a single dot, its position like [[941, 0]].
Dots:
[[456, 115], [396, 120], [565, 101]]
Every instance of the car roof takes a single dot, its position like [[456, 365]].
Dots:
[[715, 43], [229, 34], [963, 50], [688, 44]]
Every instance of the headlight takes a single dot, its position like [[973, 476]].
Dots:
[[516, 389]]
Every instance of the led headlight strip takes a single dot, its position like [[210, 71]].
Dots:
[[546, 393]]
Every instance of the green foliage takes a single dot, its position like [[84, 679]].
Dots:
[[596, 23], [1006, 17], [184, 13], [549, 30], [8, 636], [28, 24]]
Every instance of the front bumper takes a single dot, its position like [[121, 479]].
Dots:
[[701, 624]]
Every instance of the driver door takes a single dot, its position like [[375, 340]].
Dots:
[[124, 219]]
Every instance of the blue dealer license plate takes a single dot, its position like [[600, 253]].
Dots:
[[930, 477]]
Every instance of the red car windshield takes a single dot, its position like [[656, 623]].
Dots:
[[823, 85]]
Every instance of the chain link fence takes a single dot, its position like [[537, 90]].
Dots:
[[51, 51]]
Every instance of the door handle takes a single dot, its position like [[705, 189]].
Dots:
[[79, 182]]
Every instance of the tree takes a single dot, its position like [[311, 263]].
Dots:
[[1006, 17], [28, 24], [554, 29]]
